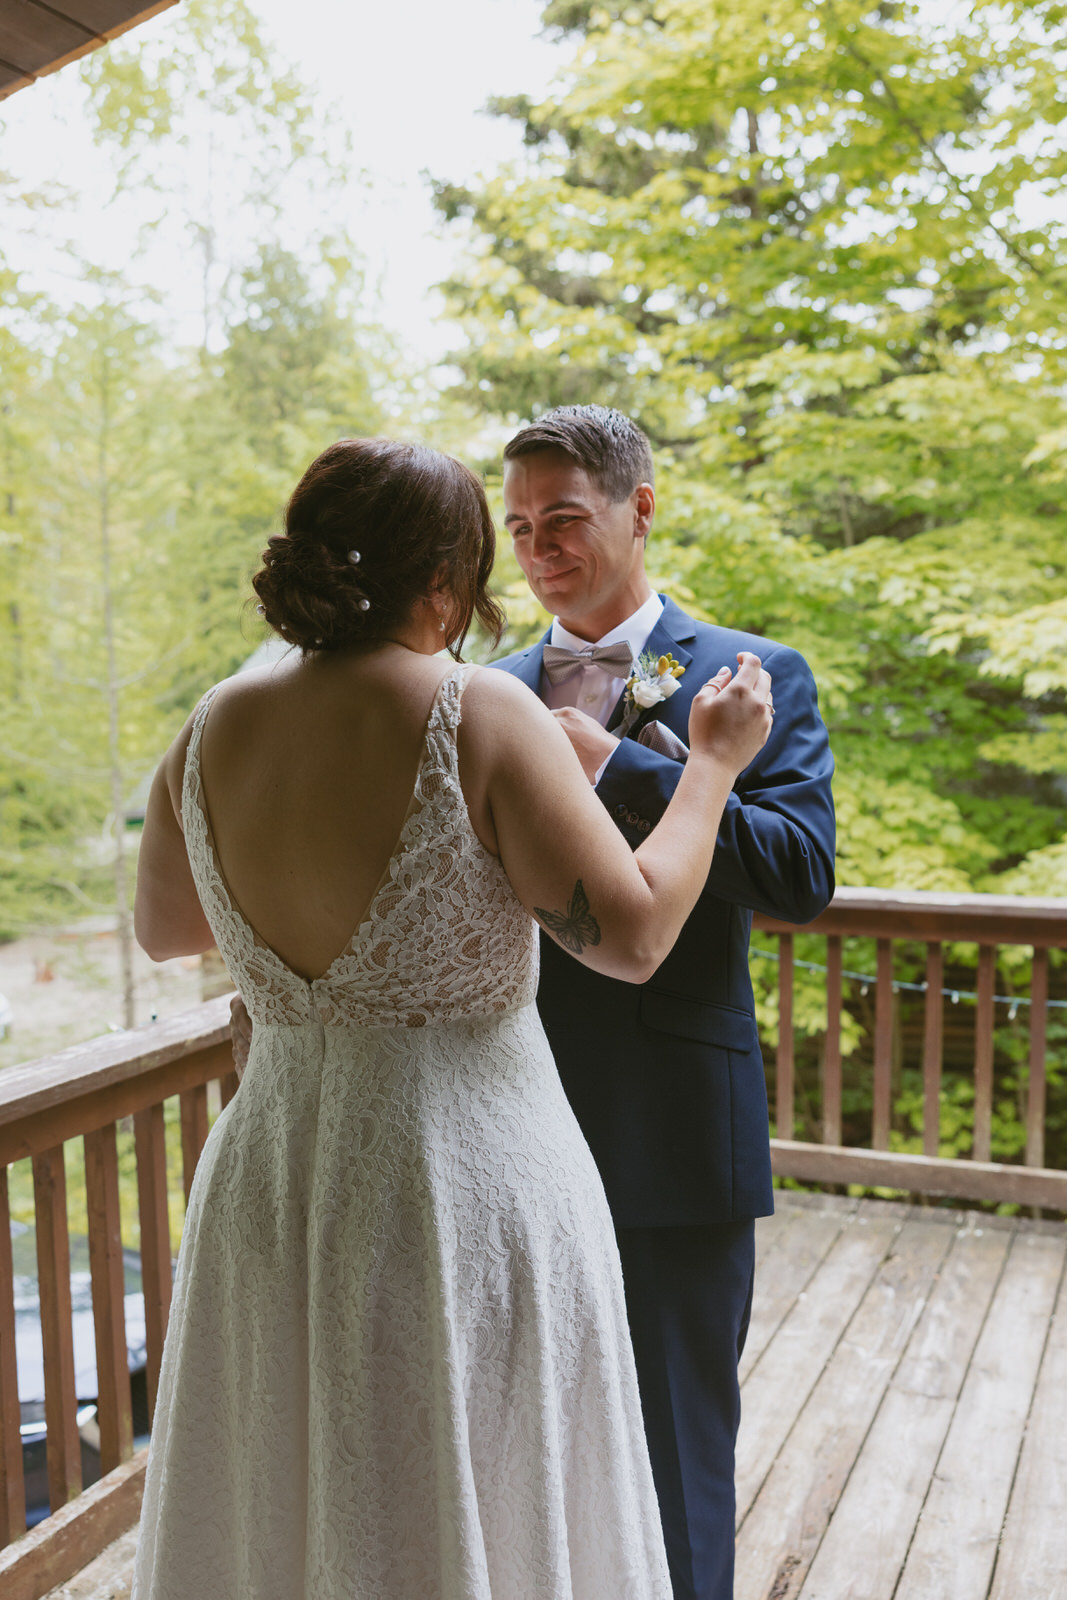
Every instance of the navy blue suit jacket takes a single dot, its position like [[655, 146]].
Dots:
[[666, 1077]]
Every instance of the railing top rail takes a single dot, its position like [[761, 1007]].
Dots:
[[933, 915], [114, 1058], [74, 1073]]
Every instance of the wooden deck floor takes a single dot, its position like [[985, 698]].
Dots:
[[904, 1432], [904, 1426]]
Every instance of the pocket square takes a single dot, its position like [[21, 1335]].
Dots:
[[665, 743]]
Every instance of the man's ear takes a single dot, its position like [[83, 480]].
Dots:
[[644, 498]]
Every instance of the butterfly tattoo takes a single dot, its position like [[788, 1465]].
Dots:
[[577, 928]]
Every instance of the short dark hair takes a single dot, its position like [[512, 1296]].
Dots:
[[410, 512], [612, 449]]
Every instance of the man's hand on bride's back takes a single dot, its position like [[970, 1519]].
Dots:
[[731, 716]]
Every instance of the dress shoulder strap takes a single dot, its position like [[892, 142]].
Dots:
[[447, 712]]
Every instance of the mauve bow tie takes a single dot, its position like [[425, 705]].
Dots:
[[561, 664]]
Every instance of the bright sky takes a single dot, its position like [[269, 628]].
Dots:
[[408, 78]]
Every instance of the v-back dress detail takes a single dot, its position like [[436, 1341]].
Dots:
[[398, 1365]]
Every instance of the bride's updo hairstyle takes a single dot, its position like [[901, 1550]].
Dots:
[[372, 528]]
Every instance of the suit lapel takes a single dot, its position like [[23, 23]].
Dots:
[[666, 639], [528, 667]]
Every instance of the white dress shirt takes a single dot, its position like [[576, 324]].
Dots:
[[595, 690]]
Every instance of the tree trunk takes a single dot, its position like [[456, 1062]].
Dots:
[[118, 805]]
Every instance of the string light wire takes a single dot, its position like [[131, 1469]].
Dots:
[[865, 979]]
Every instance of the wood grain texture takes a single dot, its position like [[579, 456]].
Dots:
[[933, 1030], [782, 1531], [114, 1404], [932, 916], [960, 1180], [887, 1486], [831, 1075], [194, 1125], [72, 1537], [1032, 1563], [883, 1046], [12, 1481], [53, 1281], [1035, 1101], [955, 1543], [797, 1243], [156, 1277], [67, 33], [983, 1053], [803, 1345], [85, 1069]]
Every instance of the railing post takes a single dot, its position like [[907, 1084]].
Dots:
[[194, 1132], [783, 1077], [114, 1404], [57, 1333], [883, 1047], [12, 1481], [150, 1143], [1035, 1098], [932, 1046], [831, 1087], [983, 1053]]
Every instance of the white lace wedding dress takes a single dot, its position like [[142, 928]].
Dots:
[[398, 1364]]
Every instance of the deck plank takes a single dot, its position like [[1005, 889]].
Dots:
[[1032, 1564], [790, 1246], [780, 1535], [923, 1366], [956, 1539], [803, 1344], [887, 1487]]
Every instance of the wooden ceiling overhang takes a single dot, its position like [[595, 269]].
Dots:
[[37, 38]]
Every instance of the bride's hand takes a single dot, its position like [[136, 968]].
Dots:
[[731, 716]]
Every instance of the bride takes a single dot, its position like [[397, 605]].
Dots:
[[398, 1365]]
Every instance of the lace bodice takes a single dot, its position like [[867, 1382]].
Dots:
[[444, 936]]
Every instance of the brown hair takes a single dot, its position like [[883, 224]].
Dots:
[[370, 527], [608, 445]]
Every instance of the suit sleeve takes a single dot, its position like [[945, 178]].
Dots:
[[775, 850]]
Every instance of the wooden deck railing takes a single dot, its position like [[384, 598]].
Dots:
[[85, 1092], [934, 921]]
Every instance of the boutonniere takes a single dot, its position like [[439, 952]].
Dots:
[[654, 679]]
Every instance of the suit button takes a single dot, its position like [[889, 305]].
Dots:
[[644, 826], [620, 812], [632, 818]]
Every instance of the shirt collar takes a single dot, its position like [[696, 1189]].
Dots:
[[635, 630]]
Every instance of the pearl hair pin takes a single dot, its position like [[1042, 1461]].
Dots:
[[364, 604], [354, 558]]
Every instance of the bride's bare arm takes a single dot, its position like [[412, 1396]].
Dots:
[[615, 911], [167, 916]]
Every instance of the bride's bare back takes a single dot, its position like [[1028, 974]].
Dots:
[[308, 769]]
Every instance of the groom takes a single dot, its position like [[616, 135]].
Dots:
[[666, 1077]]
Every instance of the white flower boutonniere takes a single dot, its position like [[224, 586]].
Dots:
[[654, 679]]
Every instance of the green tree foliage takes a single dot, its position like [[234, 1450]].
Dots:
[[815, 249], [139, 482], [214, 136]]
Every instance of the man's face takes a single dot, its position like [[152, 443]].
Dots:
[[582, 554]]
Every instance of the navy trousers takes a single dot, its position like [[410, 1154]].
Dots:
[[689, 1298]]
